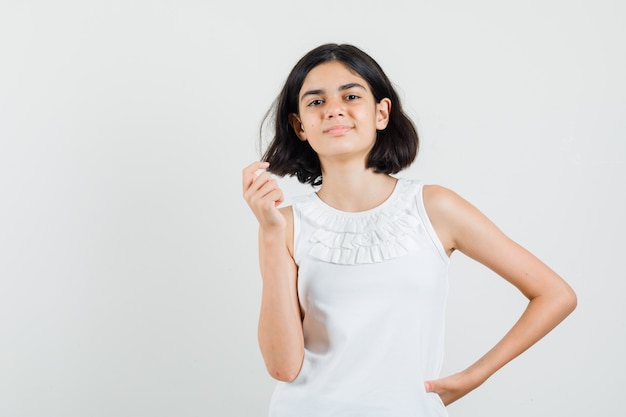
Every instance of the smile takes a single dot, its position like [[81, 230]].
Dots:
[[337, 130]]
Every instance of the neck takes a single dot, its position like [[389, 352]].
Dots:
[[354, 188]]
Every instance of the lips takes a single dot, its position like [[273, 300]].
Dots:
[[337, 130]]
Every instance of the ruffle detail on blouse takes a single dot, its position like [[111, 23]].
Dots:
[[381, 234]]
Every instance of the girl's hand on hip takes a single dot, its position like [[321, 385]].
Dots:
[[263, 195], [452, 387]]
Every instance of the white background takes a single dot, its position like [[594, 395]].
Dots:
[[129, 283]]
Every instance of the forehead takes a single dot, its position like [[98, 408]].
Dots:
[[331, 74]]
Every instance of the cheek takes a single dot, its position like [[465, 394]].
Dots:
[[309, 123]]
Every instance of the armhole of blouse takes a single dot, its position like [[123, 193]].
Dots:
[[296, 232], [421, 208]]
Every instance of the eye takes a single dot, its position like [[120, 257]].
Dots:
[[352, 97], [315, 102]]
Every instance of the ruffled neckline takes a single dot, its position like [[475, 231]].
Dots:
[[376, 235]]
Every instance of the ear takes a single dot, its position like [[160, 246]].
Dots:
[[296, 124], [383, 109]]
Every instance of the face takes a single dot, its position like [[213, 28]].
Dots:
[[338, 114]]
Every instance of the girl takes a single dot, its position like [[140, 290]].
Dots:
[[355, 274]]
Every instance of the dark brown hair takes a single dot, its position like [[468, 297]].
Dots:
[[395, 148]]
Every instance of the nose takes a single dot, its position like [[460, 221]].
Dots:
[[334, 108]]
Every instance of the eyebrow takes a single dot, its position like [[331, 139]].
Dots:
[[341, 88]]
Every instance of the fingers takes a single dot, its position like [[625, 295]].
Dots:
[[249, 173], [450, 388], [265, 188], [260, 190]]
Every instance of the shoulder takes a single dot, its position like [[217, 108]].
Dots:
[[435, 196], [440, 204], [441, 201], [454, 219], [438, 201]]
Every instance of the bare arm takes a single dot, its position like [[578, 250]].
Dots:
[[461, 226], [280, 324]]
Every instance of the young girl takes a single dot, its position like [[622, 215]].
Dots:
[[355, 274]]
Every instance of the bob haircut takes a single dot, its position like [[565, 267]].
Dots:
[[395, 148]]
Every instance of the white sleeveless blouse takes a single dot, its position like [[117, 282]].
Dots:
[[373, 289]]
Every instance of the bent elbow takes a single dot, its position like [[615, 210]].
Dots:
[[284, 367], [284, 373], [572, 301], [567, 300]]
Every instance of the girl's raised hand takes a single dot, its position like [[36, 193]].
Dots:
[[263, 195]]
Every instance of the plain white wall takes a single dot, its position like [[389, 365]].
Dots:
[[128, 270]]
